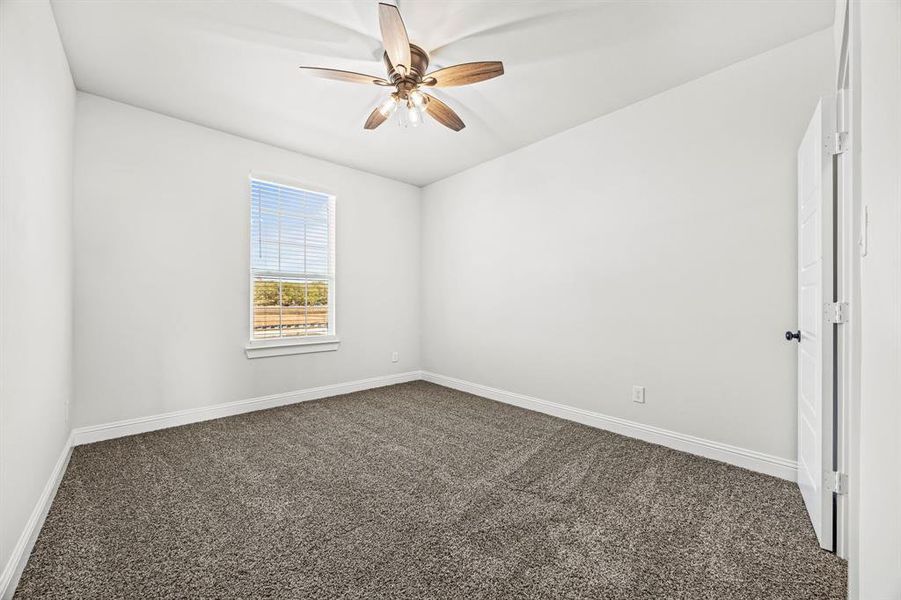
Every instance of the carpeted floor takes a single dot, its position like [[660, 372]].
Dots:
[[418, 491]]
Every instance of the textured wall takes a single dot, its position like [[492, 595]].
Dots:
[[162, 267], [654, 246], [37, 117]]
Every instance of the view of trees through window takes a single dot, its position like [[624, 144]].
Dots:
[[289, 308]]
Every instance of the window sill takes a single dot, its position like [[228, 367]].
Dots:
[[262, 349]]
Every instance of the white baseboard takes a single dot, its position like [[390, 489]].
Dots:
[[733, 455], [108, 431], [12, 571]]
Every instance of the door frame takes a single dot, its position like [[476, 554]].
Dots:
[[849, 240]]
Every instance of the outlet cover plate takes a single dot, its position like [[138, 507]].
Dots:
[[638, 394]]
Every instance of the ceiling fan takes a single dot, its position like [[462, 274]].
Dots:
[[407, 65]]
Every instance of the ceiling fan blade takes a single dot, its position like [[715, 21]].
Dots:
[[348, 76], [464, 74], [394, 37], [375, 119], [443, 113]]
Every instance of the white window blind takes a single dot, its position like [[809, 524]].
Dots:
[[292, 264]]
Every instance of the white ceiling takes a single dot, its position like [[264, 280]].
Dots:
[[232, 66]]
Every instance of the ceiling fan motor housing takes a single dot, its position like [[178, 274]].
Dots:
[[405, 85]]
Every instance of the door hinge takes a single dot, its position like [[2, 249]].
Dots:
[[836, 482], [836, 312], [837, 143]]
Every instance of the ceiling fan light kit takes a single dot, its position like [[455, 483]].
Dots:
[[407, 66]]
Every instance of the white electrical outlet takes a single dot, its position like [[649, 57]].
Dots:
[[394, 357], [638, 394]]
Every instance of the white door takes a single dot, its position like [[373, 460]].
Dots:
[[815, 345]]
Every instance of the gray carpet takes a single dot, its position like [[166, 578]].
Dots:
[[418, 491]]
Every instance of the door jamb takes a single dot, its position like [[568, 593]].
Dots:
[[846, 254]]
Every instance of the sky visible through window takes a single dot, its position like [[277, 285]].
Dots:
[[289, 230]]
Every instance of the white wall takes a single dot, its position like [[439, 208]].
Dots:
[[37, 108], [652, 246], [875, 560], [162, 259]]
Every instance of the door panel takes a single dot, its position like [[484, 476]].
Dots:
[[815, 348]]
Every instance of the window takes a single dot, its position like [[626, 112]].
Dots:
[[292, 270]]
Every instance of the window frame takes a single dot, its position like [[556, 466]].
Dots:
[[260, 348]]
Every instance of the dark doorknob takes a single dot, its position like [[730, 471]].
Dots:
[[793, 336]]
